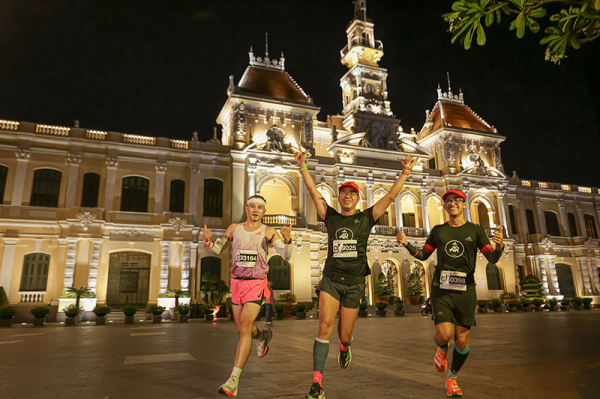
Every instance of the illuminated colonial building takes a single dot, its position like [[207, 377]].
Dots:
[[123, 214]]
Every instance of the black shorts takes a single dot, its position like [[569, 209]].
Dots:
[[349, 296], [456, 307]]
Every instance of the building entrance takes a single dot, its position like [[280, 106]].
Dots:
[[128, 279]]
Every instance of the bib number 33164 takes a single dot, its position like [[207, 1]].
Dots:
[[246, 258], [451, 280]]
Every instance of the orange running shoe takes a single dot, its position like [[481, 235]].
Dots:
[[452, 388], [439, 360]]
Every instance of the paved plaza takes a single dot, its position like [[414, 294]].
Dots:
[[516, 355]]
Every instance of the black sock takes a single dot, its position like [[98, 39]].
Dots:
[[459, 357]]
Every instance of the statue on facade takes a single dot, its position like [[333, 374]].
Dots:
[[275, 141], [381, 136]]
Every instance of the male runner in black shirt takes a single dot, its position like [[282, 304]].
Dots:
[[343, 281], [453, 297]]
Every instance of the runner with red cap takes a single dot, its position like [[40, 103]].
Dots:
[[453, 296], [343, 282]]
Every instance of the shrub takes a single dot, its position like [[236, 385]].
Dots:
[[3, 297], [565, 301], [532, 286], [398, 303], [482, 303], [383, 287], [183, 309], [207, 307], [495, 303], [301, 307], [524, 302], [101, 311], [40, 312], [552, 302], [587, 301], [279, 307], [509, 296], [381, 305], [538, 301], [156, 310], [413, 285], [363, 305], [289, 297], [130, 310], [7, 312], [577, 301], [72, 310]]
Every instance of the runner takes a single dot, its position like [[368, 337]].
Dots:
[[249, 286], [343, 281], [453, 296]]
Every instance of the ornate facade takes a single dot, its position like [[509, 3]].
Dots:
[[123, 214]]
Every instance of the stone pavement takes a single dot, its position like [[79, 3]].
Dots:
[[516, 355]]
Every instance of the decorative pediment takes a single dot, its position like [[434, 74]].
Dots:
[[349, 147]]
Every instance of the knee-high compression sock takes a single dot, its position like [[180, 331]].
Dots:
[[320, 351], [459, 357], [444, 348], [344, 346]]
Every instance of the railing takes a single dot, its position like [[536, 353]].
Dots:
[[9, 125], [136, 139], [385, 230], [280, 220], [95, 135], [414, 231], [52, 130], [30, 297], [179, 144]]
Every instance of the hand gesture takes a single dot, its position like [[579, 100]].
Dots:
[[409, 162], [498, 238], [207, 235], [286, 233], [301, 158], [401, 237]]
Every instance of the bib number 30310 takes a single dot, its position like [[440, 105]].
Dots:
[[451, 280]]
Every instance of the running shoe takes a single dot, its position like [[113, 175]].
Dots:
[[316, 392], [439, 360], [230, 387], [452, 388], [262, 346], [345, 358]]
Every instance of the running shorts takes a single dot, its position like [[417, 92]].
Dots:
[[456, 307], [349, 296], [244, 291]]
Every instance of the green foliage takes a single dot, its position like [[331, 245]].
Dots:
[[72, 310], [538, 301], [213, 287], [40, 312], [532, 287], [363, 305], [552, 302], [316, 304], [587, 301], [301, 307], [483, 303], [156, 310], [382, 288], [495, 303], [381, 305], [279, 307], [509, 296], [524, 302], [413, 286], [577, 22], [101, 311], [565, 301], [130, 310], [183, 309], [177, 294], [7, 312], [3, 297], [577, 301], [78, 293], [398, 303], [288, 297]]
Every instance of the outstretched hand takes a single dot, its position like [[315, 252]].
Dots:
[[207, 235], [409, 162], [401, 237], [499, 238], [301, 158], [286, 233]]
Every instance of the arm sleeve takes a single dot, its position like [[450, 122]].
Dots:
[[217, 246], [428, 248], [483, 243], [284, 250]]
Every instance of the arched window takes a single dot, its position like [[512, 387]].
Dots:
[[513, 219], [91, 189], [277, 194], [213, 198], [279, 273], [3, 173], [46, 188], [326, 196], [210, 264], [552, 223], [408, 211], [530, 221], [572, 225], [134, 194], [35, 272], [385, 219], [177, 198], [590, 226], [493, 277], [479, 213], [435, 211]]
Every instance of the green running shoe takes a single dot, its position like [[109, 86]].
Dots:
[[316, 392], [345, 358]]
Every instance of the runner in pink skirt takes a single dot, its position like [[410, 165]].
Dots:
[[249, 286]]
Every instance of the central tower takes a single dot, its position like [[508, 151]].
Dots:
[[364, 86]]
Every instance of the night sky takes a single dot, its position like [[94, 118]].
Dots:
[[161, 68]]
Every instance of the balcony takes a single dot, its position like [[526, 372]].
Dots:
[[386, 230], [32, 296], [414, 231], [282, 220]]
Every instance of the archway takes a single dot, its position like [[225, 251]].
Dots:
[[391, 269], [408, 211], [480, 214], [435, 211], [565, 280], [128, 278], [278, 197]]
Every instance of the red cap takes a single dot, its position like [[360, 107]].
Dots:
[[457, 192], [350, 184]]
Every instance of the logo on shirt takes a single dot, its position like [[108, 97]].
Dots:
[[454, 249], [468, 238], [344, 234], [356, 221]]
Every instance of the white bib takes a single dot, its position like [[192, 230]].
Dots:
[[246, 258], [451, 280], [345, 249]]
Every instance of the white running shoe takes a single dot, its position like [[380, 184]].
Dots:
[[262, 346]]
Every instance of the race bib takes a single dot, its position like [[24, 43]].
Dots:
[[451, 280], [246, 258], [344, 249]]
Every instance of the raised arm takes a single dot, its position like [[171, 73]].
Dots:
[[316, 196], [382, 205], [218, 245], [283, 243], [490, 253], [428, 248]]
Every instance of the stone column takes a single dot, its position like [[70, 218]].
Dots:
[[424, 211], [193, 268], [399, 220], [542, 221], [94, 262], [553, 287], [522, 219], [8, 263], [164, 265], [582, 231], [185, 266], [159, 189], [593, 264], [540, 271], [503, 210], [585, 277], [70, 262], [251, 171], [74, 161], [193, 193], [20, 174], [370, 183], [109, 187], [563, 217]]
